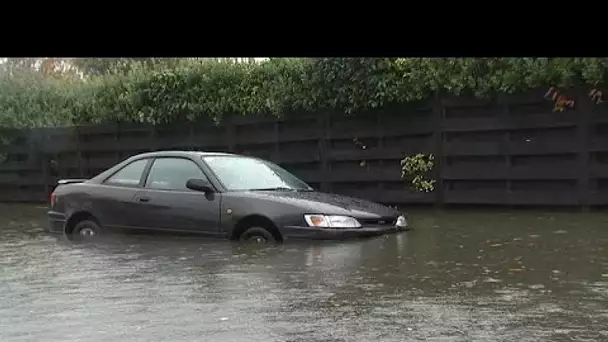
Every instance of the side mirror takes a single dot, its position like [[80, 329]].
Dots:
[[198, 184]]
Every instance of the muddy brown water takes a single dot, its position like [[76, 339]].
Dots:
[[459, 276]]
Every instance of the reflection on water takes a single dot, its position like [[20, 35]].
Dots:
[[457, 277]]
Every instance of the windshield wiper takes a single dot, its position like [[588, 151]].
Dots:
[[278, 188]]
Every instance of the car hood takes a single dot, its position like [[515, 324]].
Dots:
[[325, 203]]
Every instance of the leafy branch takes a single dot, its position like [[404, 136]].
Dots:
[[416, 169], [560, 101], [596, 96]]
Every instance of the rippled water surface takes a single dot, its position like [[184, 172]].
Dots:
[[458, 276]]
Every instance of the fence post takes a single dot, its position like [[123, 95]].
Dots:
[[191, 136], [230, 132], [35, 157], [325, 136], [438, 141], [505, 112], [153, 138], [39, 139], [381, 188], [277, 140], [583, 113], [118, 153], [76, 132]]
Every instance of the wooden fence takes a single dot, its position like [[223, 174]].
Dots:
[[513, 150]]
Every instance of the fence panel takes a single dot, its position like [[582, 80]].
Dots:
[[512, 150]]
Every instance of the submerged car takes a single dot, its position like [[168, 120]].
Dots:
[[228, 195]]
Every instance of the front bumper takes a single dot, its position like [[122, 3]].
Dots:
[[56, 222], [296, 232]]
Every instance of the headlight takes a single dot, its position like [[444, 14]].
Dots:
[[401, 222], [326, 221]]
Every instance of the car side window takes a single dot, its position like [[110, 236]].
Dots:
[[129, 175], [172, 174]]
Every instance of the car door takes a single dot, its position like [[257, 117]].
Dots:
[[167, 204], [114, 200]]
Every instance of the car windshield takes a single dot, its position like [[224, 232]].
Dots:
[[243, 173]]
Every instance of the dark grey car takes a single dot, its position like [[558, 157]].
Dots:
[[220, 194]]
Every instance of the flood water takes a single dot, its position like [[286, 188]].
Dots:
[[459, 276]]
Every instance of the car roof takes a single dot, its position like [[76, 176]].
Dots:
[[178, 153], [155, 154]]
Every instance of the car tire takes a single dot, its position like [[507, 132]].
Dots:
[[87, 229], [257, 235]]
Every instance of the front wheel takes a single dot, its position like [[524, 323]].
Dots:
[[86, 230], [257, 235]]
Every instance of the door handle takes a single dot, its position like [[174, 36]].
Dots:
[[144, 199]]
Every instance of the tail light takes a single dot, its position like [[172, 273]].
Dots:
[[53, 199]]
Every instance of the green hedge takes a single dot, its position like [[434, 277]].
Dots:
[[191, 89]]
